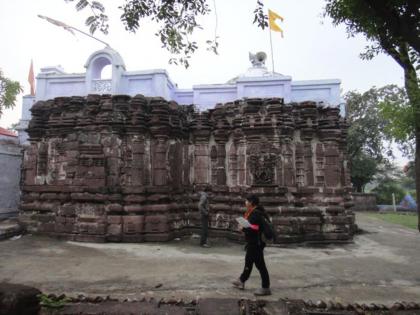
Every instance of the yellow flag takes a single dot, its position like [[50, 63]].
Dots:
[[272, 17]]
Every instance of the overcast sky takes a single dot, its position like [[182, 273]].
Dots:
[[311, 48]]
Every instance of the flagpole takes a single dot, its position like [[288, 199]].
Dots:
[[272, 56], [106, 44], [70, 28]]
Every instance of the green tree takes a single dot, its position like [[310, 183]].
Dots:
[[367, 143], [398, 113], [384, 192], [363, 170], [392, 26], [177, 20], [389, 181], [8, 91]]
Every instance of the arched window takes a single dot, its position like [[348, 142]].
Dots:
[[106, 73], [102, 75], [103, 71], [98, 66]]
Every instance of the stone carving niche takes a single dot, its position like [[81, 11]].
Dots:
[[262, 163]]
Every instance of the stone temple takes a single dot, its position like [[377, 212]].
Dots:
[[123, 159]]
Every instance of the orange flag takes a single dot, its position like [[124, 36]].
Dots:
[[31, 78]]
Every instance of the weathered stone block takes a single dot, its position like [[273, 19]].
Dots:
[[310, 228], [64, 228], [82, 228], [133, 224], [67, 210], [97, 228], [48, 196], [156, 224], [28, 197], [46, 227], [134, 199], [133, 208], [114, 232], [114, 219], [87, 218], [60, 219], [335, 210], [113, 207], [45, 218], [337, 220]]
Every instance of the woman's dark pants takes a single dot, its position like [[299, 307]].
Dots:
[[255, 255]]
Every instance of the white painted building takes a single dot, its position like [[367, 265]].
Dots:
[[257, 81]]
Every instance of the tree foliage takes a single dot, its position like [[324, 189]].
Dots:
[[368, 144], [389, 181], [177, 20], [393, 27], [399, 115], [363, 170], [9, 89], [385, 190], [388, 24], [366, 124]]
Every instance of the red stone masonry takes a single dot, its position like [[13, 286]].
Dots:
[[114, 168]]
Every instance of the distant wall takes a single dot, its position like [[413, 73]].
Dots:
[[10, 162], [364, 202]]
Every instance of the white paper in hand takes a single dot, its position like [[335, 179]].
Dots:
[[243, 222]]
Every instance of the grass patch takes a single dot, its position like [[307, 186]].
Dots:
[[407, 220]]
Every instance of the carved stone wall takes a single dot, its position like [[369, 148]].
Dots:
[[116, 168]]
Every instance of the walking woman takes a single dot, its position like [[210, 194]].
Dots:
[[254, 246]]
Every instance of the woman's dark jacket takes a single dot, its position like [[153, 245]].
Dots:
[[253, 233]]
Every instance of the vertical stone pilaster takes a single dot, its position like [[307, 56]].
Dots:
[[300, 165], [289, 168], [174, 163], [159, 162], [232, 165], [332, 170], [308, 164], [221, 164], [242, 163], [201, 164], [319, 165], [213, 164], [201, 131]]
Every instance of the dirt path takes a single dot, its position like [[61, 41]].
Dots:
[[380, 266]]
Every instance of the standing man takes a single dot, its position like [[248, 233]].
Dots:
[[203, 207]]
